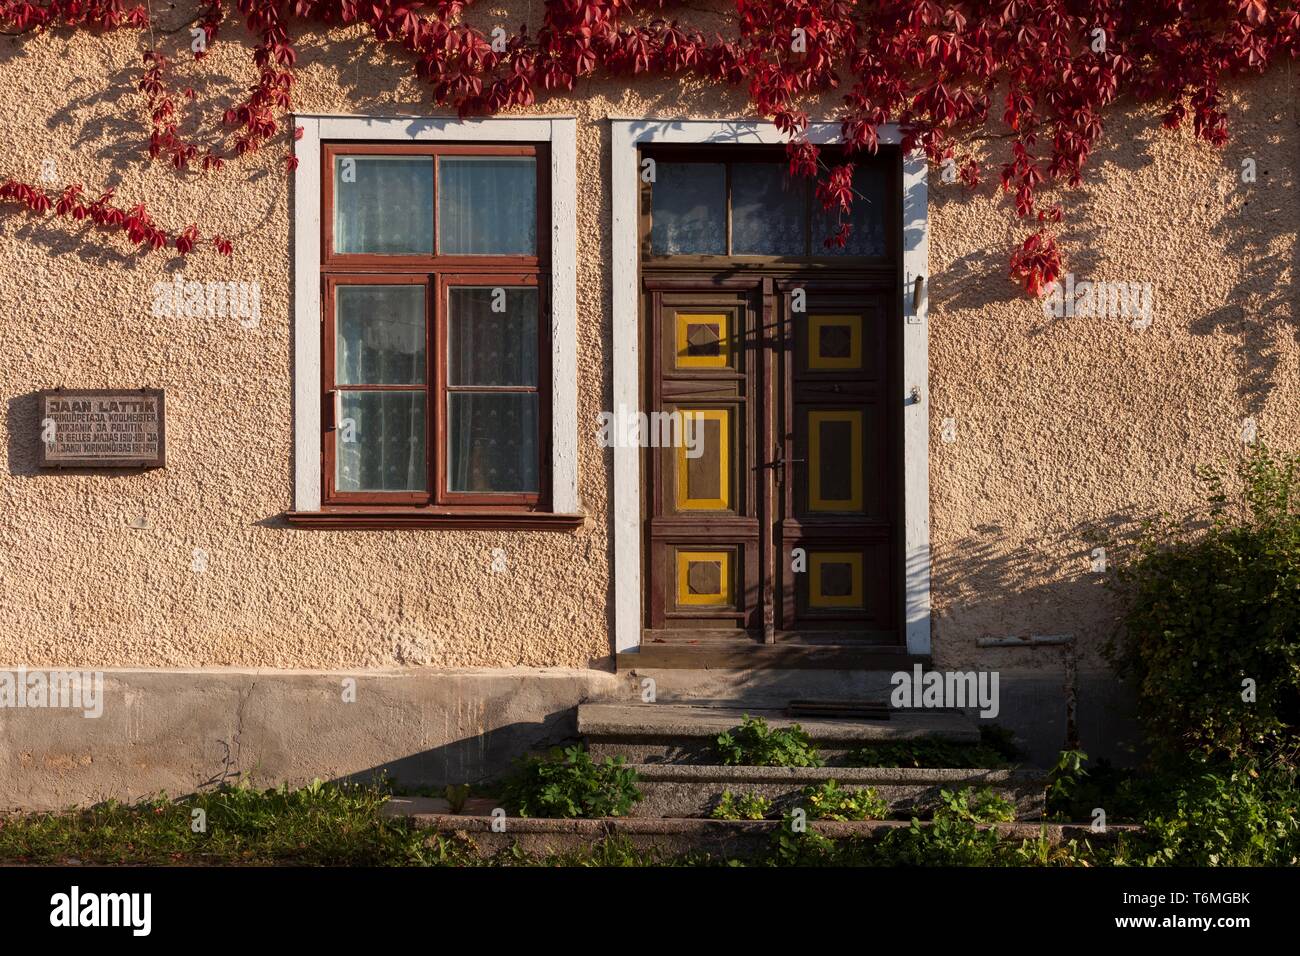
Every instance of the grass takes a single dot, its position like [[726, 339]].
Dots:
[[317, 825], [342, 825]]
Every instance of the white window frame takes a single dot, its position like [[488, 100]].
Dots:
[[561, 135], [626, 137]]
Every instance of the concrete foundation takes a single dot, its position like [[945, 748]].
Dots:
[[175, 731]]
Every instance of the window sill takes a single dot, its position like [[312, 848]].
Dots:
[[376, 519]]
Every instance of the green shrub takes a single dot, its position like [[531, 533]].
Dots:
[[830, 801], [954, 837], [977, 806], [1212, 610], [1229, 817], [754, 744], [568, 783], [746, 806]]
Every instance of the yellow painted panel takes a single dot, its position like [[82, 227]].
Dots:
[[817, 561], [723, 502], [684, 322], [817, 501], [838, 362], [719, 598]]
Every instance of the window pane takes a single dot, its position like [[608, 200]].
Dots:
[[490, 347], [769, 210], [868, 217], [383, 205], [379, 336], [487, 205], [492, 442], [688, 209], [379, 442]]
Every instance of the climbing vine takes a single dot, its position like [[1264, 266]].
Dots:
[[1033, 75]]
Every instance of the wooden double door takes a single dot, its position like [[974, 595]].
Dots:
[[771, 505]]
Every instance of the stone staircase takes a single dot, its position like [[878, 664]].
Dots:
[[670, 745]]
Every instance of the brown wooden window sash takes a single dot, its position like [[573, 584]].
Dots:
[[436, 505]]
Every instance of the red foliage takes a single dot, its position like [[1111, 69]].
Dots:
[[933, 68]]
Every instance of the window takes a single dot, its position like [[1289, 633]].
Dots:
[[750, 205], [435, 351]]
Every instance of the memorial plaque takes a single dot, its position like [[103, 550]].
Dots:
[[101, 428]]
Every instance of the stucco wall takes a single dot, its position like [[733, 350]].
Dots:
[[1059, 423]]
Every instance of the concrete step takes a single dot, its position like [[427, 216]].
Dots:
[[678, 790], [770, 688], [685, 733], [724, 839]]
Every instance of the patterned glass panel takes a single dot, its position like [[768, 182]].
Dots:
[[380, 334], [487, 205], [383, 205], [379, 442], [769, 210], [492, 442], [492, 336], [867, 217], [688, 209]]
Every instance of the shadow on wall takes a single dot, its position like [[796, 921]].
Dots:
[[988, 588], [1259, 311], [1021, 588], [473, 760]]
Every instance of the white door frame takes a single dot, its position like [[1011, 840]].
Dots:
[[626, 137]]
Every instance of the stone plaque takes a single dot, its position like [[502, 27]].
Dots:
[[101, 428]]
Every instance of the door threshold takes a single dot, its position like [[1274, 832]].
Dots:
[[752, 655]]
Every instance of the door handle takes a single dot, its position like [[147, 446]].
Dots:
[[780, 461]]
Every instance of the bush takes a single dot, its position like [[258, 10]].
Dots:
[[754, 744], [747, 806], [568, 783], [1234, 816], [1213, 613], [830, 801]]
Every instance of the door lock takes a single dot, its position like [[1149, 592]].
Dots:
[[780, 461]]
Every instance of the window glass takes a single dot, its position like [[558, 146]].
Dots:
[[383, 205], [492, 441], [769, 210], [492, 336], [688, 212], [867, 217], [379, 334], [487, 205], [380, 441]]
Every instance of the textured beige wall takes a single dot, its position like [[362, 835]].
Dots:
[[1059, 423]]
